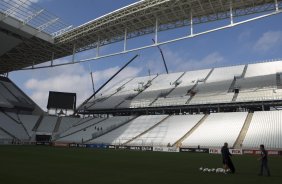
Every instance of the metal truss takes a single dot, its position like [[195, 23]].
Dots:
[[141, 18], [32, 15]]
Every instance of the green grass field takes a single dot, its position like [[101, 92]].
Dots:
[[48, 165]]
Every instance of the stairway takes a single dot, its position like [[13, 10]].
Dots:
[[231, 88], [146, 130], [178, 143], [243, 131], [278, 81], [191, 96], [209, 74], [244, 71], [37, 123], [235, 97], [58, 123]]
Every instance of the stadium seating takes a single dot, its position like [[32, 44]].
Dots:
[[4, 102], [81, 126], [130, 89], [106, 93], [261, 69], [225, 73], [68, 122], [101, 127], [254, 82], [13, 127], [161, 86], [21, 97], [6, 94], [130, 130], [171, 101], [265, 128], [214, 92], [4, 136], [47, 124], [187, 81], [260, 82], [168, 132], [217, 129], [29, 122]]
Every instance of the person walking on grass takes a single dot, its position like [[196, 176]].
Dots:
[[264, 161]]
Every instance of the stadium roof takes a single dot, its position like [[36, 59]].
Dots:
[[131, 21]]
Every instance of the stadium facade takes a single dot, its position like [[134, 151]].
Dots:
[[186, 110]]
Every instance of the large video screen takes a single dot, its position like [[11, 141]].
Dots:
[[61, 100]]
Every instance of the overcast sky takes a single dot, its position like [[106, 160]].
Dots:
[[253, 42]]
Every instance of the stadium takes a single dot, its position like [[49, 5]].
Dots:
[[154, 128]]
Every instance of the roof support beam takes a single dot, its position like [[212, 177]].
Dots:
[[276, 5], [73, 52], [156, 31], [47, 24], [231, 13], [125, 40], [191, 24], [98, 47], [33, 15]]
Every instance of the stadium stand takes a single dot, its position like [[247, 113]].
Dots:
[[168, 132], [242, 83], [13, 97], [67, 122], [130, 130], [4, 136], [214, 92], [168, 94], [228, 72], [187, 81], [29, 122], [13, 127], [127, 91], [265, 128], [100, 100], [179, 95], [83, 125], [47, 124], [266, 68], [216, 129], [96, 129], [160, 87]]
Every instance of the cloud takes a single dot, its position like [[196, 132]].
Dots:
[[178, 62], [244, 35], [268, 41], [211, 60], [71, 78]]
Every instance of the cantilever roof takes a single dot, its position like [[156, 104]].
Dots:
[[137, 19]]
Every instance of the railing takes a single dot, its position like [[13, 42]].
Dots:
[[30, 14]]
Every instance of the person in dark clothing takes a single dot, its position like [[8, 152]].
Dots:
[[264, 161], [226, 160]]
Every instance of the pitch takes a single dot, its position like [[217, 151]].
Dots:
[[47, 165]]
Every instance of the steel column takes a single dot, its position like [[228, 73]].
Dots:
[[98, 47], [73, 53], [125, 40], [191, 24], [156, 31], [231, 13]]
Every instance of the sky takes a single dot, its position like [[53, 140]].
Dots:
[[256, 41]]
